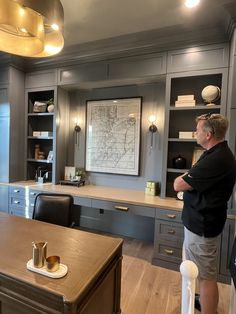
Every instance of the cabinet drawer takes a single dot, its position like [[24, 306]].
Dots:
[[169, 231], [17, 191], [127, 208], [33, 193], [17, 211], [82, 201], [167, 252], [168, 214], [17, 201]]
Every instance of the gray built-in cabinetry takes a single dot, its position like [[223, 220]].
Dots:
[[3, 198], [185, 71], [168, 243], [11, 124], [38, 122], [56, 141], [182, 119]]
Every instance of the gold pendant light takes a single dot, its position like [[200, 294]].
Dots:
[[31, 28]]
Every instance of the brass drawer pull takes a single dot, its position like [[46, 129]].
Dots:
[[171, 231], [16, 191], [16, 202], [171, 216], [32, 193], [122, 208], [170, 252]]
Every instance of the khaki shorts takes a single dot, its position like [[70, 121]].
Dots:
[[203, 252]]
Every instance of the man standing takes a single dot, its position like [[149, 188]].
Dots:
[[207, 187]]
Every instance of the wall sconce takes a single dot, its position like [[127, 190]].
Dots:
[[152, 127], [77, 129]]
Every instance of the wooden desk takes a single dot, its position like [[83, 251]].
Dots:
[[92, 284]]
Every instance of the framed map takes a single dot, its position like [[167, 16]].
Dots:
[[113, 135]]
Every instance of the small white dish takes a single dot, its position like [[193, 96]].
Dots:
[[61, 272]]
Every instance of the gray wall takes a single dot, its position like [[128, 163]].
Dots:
[[150, 159]]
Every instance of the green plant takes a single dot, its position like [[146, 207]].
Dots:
[[80, 172], [50, 102]]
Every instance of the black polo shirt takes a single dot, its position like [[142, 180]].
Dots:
[[212, 179]]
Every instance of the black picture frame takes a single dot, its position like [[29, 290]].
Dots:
[[113, 128]]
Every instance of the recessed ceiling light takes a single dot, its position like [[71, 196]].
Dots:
[[191, 3]]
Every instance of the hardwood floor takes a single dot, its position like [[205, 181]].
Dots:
[[148, 289]]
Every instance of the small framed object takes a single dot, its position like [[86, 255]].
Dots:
[[197, 152], [69, 173], [180, 195], [50, 156]]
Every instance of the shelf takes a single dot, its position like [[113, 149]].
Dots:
[[40, 114], [182, 139], [40, 137], [197, 107], [174, 170], [45, 161]]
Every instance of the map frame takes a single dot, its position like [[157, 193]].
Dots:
[[113, 134]]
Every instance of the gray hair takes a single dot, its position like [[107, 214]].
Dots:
[[215, 123]]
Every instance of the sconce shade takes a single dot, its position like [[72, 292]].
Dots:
[[31, 28], [152, 118]]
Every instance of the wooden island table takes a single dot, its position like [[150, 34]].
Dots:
[[92, 284]]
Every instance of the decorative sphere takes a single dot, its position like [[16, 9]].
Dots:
[[50, 108], [189, 269], [210, 93]]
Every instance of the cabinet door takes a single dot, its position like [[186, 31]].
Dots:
[[4, 198], [226, 247], [4, 76], [4, 136], [83, 73], [136, 67], [41, 79], [198, 58]]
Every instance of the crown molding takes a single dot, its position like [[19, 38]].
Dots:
[[129, 45]]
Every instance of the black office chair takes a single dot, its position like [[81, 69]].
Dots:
[[54, 208]]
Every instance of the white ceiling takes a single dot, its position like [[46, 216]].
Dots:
[[91, 20]]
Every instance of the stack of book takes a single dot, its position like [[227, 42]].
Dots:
[[185, 101]]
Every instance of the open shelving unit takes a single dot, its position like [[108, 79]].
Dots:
[[183, 118], [42, 121]]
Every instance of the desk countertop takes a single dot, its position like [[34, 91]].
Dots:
[[85, 254], [106, 193]]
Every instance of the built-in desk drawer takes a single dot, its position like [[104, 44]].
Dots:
[[82, 201], [124, 207], [33, 193], [17, 201], [168, 252], [19, 191], [168, 240], [169, 231], [168, 214]]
